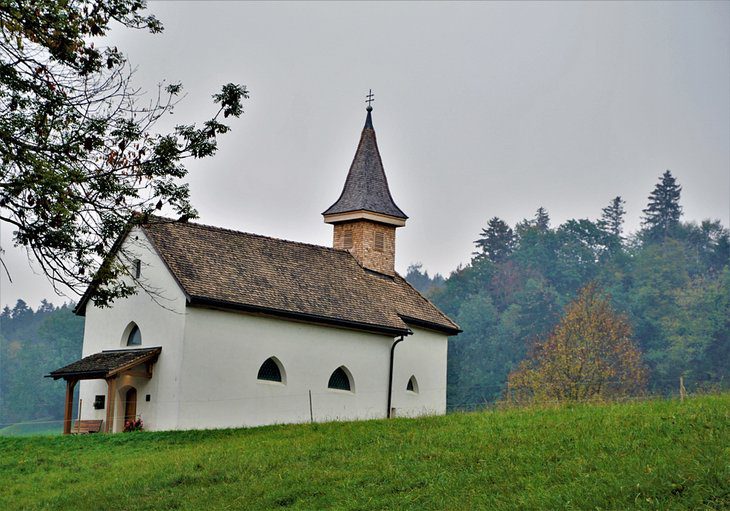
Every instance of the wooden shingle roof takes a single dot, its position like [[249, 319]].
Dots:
[[106, 363], [222, 268], [366, 187]]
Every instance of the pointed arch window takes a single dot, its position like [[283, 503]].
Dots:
[[340, 380], [412, 385], [135, 337], [270, 370]]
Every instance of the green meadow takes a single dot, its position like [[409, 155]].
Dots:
[[659, 454]]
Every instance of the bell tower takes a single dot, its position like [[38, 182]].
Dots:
[[365, 216]]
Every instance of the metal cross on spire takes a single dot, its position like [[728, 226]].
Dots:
[[369, 99]]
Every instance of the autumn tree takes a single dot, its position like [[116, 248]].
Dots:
[[78, 149], [590, 354]]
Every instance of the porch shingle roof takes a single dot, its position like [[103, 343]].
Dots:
[[106, 363]]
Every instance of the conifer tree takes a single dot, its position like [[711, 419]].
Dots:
[[496, 242], [661, 215], [542, 219], [612, 218]]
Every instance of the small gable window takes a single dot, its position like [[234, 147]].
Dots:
[[137, 268], [340, 380], [412, 385], [270, 371], [135, 337]]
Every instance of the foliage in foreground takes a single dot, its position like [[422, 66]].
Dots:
[[651, 455], [79, 152]]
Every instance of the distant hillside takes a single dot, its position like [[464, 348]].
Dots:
[[33, 343], [652, 455], [671, 278]]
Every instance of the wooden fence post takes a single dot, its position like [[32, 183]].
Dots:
[[682, 390]]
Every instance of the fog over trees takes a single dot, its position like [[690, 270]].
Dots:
[[670, 280]]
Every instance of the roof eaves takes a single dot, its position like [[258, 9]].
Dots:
[[455, 328], [429, 325], [300, 316]]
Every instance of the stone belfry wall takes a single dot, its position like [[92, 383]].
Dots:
[[365, 216], [371, 243]]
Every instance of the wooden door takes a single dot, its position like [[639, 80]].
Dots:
[[130, 405]]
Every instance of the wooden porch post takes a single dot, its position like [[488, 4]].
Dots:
[[110, 394], [68, 409]]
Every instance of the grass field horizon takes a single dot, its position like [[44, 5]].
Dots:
[[658, 454]]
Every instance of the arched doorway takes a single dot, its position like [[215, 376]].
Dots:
[[130, 404]]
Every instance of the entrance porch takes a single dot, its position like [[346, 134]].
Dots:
[[118, 368]]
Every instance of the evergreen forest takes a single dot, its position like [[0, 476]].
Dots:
[[670, 280], [33, 343]]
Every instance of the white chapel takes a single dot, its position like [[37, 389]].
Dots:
[[237, 329]]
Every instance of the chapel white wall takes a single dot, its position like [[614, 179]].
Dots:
[[224, 351], [160, 316], [423, 355]]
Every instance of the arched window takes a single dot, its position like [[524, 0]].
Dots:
[[340, 380], [270, 371], [135, 337], [412, 385]]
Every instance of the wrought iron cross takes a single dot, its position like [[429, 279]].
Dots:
[[370, 97]]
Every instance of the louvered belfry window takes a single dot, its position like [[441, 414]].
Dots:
[[379, 241], [347, 239], [339, 380], [269, 371]]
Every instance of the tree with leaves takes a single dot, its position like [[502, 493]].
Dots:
[[496, 242], [78, 149], [661, 216], [589, 355]]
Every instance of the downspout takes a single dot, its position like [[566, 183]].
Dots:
[[390, 378]]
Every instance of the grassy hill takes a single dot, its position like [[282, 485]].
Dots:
[[652, 455]]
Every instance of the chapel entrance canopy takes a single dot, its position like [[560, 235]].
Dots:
[[107, 365]]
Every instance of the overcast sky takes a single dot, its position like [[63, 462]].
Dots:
[[481, 110]]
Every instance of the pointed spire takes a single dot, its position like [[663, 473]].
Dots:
[[366, 187], [369, 118]]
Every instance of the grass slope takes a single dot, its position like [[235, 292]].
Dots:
[[40, 427], [654, 455]]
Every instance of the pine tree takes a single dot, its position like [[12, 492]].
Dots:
[[661, 215], [612, 219], [496, 242], [542, 219]]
